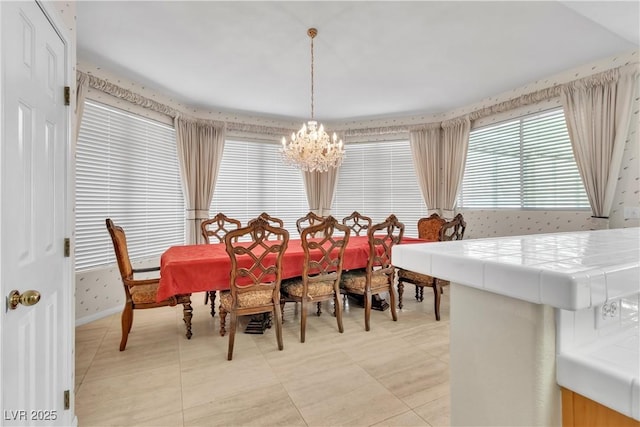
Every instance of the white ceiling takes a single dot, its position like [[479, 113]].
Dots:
[[372, 59]]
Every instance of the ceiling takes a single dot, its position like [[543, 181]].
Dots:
[[373, 59]]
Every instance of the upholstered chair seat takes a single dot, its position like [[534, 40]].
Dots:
[[356, 280], [144, 294], [295, 288], [247, 299]]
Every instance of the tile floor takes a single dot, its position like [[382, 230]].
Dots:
[[397, 374]]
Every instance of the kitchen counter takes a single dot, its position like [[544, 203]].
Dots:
[[547, 288], [564, 270]]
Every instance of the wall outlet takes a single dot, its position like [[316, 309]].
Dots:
[[608, 314], [631, 212]]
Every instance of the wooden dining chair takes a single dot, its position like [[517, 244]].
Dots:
[[140, 293], [214, 229], [273, 221], [359, 224], [438, 229], [323, 245], [308, 220], [256, 274], [379, 274]]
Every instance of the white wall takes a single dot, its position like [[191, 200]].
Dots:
[[99, 291]]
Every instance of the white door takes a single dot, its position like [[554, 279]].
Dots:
[[36, 346]]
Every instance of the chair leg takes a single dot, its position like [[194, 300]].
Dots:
[[303, 320], [338, 312], [437, 291], [131, 322], [127, 321], [212, 296], [188, 314], [319, 312], [367, 309], [278, 328], [392, 303], [232, 334], [282, 302], [223, 319], [400, 292], [206, 298]]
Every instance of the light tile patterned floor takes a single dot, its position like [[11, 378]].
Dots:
[[397, 374]]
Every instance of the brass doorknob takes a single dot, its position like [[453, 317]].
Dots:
[[27, 298]]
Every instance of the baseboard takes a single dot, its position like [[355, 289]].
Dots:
[[98, 316]]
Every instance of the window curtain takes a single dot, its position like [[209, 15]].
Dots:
[[425, 150], [200, 146], [453, 156], [598, 112], [320, 188], [82, 84]]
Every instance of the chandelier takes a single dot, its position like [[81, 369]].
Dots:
[[311, 149]]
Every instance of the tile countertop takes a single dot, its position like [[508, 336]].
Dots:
[[606, 371], [572, 271]]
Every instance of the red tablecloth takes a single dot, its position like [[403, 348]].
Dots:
[[198, 268]]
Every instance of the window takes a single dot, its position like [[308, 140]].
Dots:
[[526, 163], [378, 179], [253, 179], [126, 169]]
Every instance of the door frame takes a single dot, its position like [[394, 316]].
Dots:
[[66, 30]]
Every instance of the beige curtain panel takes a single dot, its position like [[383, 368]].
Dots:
[[598, 113], [425, 149], [320, 188], [200, 146], [453, 156]]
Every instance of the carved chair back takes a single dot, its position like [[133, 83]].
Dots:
[[429, 228], [119, 240], [324, 245], [218, 227], [308, 220], [382, 237], [454, 229], [256, 262], [271, 220], [357, 223]]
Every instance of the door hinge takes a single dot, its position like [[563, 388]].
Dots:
[[67, 247], [67, 404], [67, 95]]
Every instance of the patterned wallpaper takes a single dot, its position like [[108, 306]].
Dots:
[[498, 223], [99, 292]]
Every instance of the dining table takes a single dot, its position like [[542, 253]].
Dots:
[[187, 269]]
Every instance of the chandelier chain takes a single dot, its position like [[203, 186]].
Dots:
[[312, 112]]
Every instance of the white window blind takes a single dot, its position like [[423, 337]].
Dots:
[[126, 170], [378, 179], [525, 163], [253, 179]]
